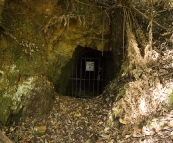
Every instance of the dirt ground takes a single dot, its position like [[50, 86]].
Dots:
[[75, 120]]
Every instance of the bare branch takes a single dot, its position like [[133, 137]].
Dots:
[[4, 138], [146, 17]]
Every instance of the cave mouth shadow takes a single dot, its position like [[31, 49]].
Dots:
[[87, 73]]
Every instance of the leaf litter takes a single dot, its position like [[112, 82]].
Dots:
[[141, 114]]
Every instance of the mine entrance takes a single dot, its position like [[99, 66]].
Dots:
[[88, 77]]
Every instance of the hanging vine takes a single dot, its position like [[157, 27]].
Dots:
[[148, 48], [75, 10]]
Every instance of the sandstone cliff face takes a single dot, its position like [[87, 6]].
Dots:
[[38, 38]]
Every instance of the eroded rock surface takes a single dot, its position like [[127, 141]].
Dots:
[[38, 38]]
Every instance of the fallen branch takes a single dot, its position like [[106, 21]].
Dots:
[[4, 138]]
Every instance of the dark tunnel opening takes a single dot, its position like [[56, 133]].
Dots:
[[88, 72]]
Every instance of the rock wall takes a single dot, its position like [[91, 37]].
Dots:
[[38, 39]]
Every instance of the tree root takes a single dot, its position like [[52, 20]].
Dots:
[[138, 12], [146, 17]]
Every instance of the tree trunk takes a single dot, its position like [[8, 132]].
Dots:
[[117, 37]]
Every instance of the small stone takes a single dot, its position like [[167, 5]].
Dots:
[[40, 130], [107, 99], [123, 121], [172, 133], [170, 124], [171, 137]]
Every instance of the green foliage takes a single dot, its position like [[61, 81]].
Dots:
[[113, 85], [123, 70], [4, 109], [121, 93], [164, 125], [171, 99], [152, 123]]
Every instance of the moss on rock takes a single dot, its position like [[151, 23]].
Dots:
[[171, 99], [4, 108], [121, 93], [39, 39]]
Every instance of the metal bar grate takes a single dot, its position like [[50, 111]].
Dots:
[[88, 80]]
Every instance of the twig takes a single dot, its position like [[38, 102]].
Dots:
[[115, 6], [103, 32], [151, 25], [89, 4], [107, 16], [11, 36], [138, 12], [146, 17], [124, 22], [49, 22]]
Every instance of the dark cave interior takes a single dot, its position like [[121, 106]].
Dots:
[[87, 74]]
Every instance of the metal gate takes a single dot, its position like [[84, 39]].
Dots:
[[87, 79]]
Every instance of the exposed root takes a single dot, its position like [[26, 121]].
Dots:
[[65, 19], [146, 17]]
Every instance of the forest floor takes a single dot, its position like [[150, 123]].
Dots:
[[71, 120], [143, 113], [76, 120]]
